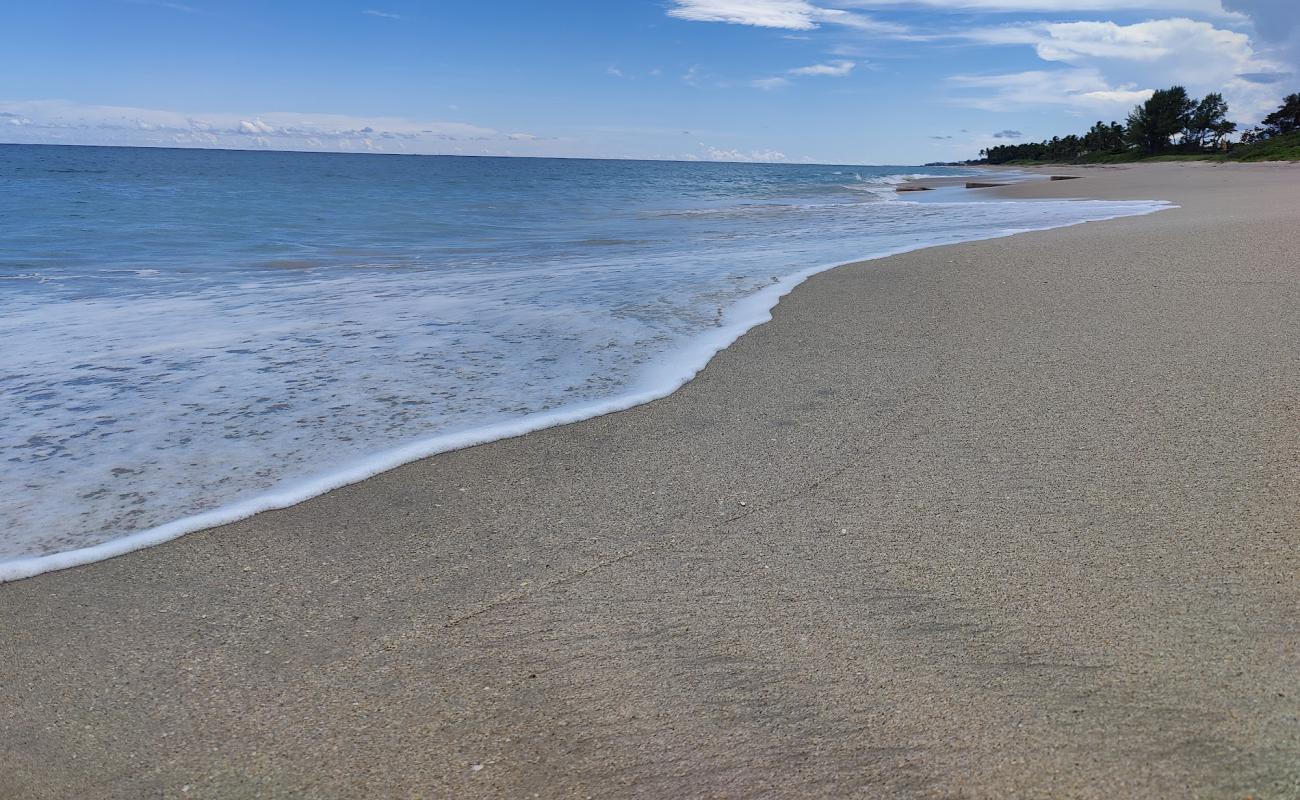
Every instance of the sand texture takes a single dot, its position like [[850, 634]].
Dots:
[[1017, 518]]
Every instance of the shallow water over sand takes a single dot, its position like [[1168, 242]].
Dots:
[[192, 336]]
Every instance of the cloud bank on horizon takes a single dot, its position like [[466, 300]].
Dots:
[[847, 81], [64, 122]]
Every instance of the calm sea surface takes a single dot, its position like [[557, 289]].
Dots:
[[188, 336]]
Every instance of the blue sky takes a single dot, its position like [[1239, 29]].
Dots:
[[839, 81]]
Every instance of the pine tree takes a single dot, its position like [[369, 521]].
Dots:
[[1153, 124], [1286, 119], [1208, 123]]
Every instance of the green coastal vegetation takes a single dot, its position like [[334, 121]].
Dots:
[[1170, 126]]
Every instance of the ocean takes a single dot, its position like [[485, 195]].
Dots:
[[192, 336]]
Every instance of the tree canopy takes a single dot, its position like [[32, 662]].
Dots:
[[1287, 118], [1170, 121], [1208, 123], [1166, 113]]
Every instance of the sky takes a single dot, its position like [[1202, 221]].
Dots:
[[825, 81]]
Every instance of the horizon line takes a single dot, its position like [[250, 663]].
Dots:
[[469, 155]]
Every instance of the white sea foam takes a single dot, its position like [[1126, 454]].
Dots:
[[182, 411], [886, 186]]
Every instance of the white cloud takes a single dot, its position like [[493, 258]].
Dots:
[[1278, 24], [57, 121], [254, 127], [1076, 88], [837, 69], [1188, 41], [720, 154], [383, 14], [1211, 7], [793, 15], [1275, 23], [1127, 97], [860, 22], [1126, 61]]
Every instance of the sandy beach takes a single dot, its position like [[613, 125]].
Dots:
[[1014, 518]]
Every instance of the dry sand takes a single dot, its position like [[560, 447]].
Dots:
[[1016, 518]]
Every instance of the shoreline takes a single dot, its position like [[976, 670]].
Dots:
[[748, 313], [1014, 516]]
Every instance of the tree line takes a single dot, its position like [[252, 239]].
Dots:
[[1170, 121]]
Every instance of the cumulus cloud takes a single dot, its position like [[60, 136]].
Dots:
[[1116, 63], [1278, 24], [1275, 23], [1184, 41], [254, 127], [711, 153], [56, 121]]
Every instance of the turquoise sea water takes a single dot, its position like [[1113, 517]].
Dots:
[[190, 336]]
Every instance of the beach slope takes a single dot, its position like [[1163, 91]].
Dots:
[[1015, 518]]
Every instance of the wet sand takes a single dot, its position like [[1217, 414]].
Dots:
[[1017, 518]]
